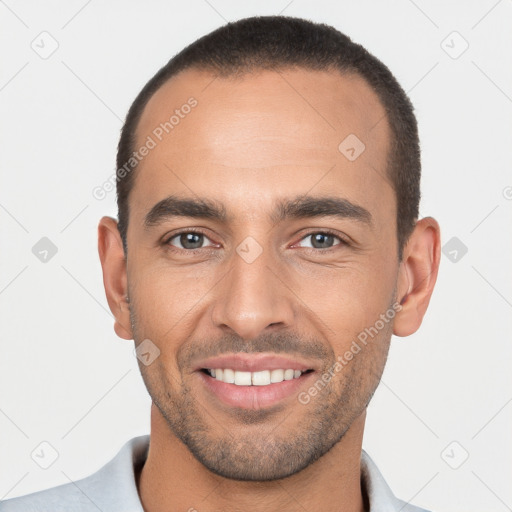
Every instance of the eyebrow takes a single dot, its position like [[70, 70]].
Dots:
[[300, 207], [173, 206], [313, 206]]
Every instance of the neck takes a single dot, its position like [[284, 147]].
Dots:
[[172, 479]]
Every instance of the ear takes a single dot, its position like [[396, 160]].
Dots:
[[417, 275], [113, 263]]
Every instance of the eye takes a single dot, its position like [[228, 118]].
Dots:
[[189, 240], [322, 240]]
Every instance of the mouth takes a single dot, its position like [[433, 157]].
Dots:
[[259, 378], [255, 381]]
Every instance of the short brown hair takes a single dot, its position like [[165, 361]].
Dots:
[[276, 42]]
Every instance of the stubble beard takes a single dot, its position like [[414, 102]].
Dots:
[[266, 445]]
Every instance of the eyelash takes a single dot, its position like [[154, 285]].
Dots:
[[343, 241]]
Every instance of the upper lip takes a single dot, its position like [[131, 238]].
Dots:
[[254, 362]]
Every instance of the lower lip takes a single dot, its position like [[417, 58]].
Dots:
[[254, 397]]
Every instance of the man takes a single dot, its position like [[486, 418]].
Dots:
[[268, 246]]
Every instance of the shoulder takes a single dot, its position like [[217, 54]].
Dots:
[[67, 497], [111, 488], [378, 492], [407, 507]]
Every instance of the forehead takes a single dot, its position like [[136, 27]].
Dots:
[[260, 134]]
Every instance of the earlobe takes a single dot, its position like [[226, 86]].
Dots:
[[417, 275], [113, 263]]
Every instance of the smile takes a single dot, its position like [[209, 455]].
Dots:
[[260, 378], [253, 390]]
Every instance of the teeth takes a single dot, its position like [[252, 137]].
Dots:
[[289, 374], [276, 376], [228, 376], [261, 378], [243, 378]]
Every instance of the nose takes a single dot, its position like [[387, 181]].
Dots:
[[252, 298]]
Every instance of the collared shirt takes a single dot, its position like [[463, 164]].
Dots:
[[113, 488]]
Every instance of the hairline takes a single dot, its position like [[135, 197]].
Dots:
[[226, 72]]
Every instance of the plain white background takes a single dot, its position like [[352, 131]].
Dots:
[[65, 378]]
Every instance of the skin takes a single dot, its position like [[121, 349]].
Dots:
[[250, 142]]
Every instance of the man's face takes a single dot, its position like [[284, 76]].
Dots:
[[276, 288]]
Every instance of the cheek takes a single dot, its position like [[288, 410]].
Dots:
[[165, 300], [346, 301]]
